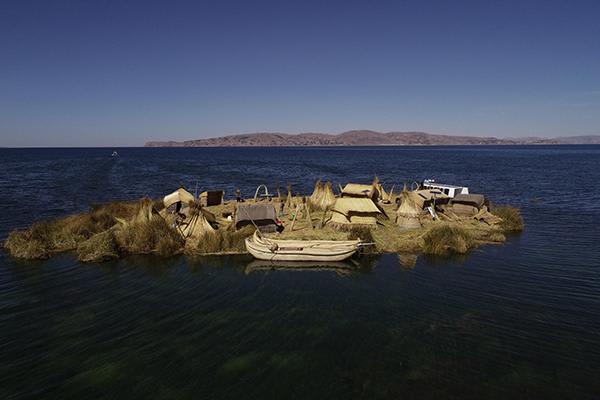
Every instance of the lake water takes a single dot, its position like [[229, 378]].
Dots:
[[520, 320]]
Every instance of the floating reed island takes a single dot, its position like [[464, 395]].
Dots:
[[431, 218]]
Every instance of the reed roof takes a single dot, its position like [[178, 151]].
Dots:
[[476, 200], [349, 205], [357, 189]]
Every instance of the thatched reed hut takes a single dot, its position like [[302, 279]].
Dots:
[[195, 226], [349, 213], [357, 190], [407, 215]]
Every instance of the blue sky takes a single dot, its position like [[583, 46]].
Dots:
[[110, 73]]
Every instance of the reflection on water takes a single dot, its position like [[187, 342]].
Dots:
[[518, 320], [407, 260], [341, 268]]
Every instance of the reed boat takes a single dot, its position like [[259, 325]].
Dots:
[[264, 248]]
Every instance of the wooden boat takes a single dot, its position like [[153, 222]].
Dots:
[[269, 249]]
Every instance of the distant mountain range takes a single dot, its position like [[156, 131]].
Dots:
[[366, 138]]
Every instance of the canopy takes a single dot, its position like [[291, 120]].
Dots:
[[180, 195], [261, 215]]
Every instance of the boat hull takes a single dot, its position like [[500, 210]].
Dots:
[[295, 250]]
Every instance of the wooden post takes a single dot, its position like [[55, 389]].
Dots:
[[294, 218], [310, 225]]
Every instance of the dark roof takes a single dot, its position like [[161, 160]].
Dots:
[[476, 200], [260, 214]]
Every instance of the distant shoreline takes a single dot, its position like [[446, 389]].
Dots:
[[366, 138], [294, 146]]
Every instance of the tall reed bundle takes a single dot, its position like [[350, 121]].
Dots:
[[407, 215], [197, 225], [328, 197], [315, 197], [323, 197], [377, 189]]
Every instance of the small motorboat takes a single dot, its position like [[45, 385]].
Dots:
[[114, 154], [449, 190], [264, 248]]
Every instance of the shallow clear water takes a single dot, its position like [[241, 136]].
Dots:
[[519, 320]]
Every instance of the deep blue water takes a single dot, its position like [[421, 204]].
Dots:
[[519, 320]]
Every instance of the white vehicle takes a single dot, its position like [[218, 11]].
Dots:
[[449, 190]]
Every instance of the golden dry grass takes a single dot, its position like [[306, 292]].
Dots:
[[153, 236], [222, 241], [512, 221], [112, 230], [366, 236], [43, 239], [100, 247], [445, 239], [96, 235]]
